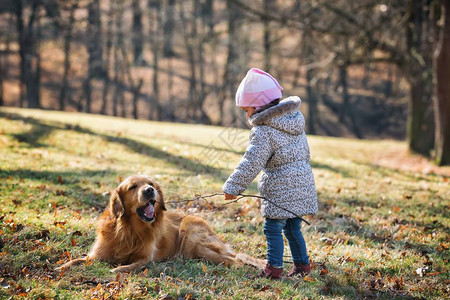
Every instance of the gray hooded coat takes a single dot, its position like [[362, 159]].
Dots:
[[278, 146]]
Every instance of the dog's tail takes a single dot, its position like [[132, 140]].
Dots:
[[249, 260]]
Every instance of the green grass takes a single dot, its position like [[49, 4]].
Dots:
[[376, 225]]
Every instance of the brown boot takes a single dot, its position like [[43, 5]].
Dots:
[[301, 269], [271, 272]]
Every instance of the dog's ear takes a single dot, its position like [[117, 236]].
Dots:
[[116, 204], [161, 198]]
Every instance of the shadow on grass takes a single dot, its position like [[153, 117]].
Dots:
[[33, 136], [371, 168], [41, 130], [384, 237], [345, 173], [69, 186]]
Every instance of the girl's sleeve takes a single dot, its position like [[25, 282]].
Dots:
[[255, 158]]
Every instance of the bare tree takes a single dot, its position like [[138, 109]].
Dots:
[[2, 72], [29, 88], [169, 26], [118, 95], [269, 6], [107, 62], [95, 50], [418, 69], [155, 19], [137, 33], [231, 70], [442, 89], [68, 28], [194, 41], [134, 86], [4, 59]]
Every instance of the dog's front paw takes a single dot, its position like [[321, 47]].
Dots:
[[62, 268], [120, 269]]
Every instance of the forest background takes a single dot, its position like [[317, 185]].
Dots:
[[363, 69]]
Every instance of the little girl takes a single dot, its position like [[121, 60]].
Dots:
[[278, 146]]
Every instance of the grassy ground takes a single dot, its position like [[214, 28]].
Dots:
[[380, 232]]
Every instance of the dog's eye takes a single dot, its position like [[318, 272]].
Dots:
[[150, 183], [132, 187]]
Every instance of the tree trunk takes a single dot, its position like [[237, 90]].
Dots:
[[208, 15], [155, 82], [4, 61], [420, 124], [136, 92], [346, 109], [442, 90], [194, 40], [37, 55], [28, 63], [312, 102], [155, 18], [232, 56], [307, 52], [169, 26], [420, 133], [189, 35], [67, 45], [2, 72], [137, 34], [107, 62], [268, 8], [123, 111], [117, 63], [95, 50], [22, 51], [344, 92], [32, 63], [117, 87]]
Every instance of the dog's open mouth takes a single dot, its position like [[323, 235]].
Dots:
[[147, 212]]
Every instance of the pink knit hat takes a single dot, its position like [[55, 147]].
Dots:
[[257, 89]]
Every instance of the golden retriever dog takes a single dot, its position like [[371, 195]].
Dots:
[[136, 229]]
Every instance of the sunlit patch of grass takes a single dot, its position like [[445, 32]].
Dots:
[[376, 225]]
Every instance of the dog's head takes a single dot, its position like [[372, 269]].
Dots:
[[137, 196]]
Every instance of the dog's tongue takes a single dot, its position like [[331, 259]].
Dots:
[[149, 211]]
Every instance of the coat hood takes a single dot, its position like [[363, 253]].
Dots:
[[285, 116]]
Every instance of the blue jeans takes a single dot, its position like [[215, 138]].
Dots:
[[275, 243]]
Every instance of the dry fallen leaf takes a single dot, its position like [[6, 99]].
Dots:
[[205, 268], [350, 259], [265, 288], [61, 180], [61, 274], [88, 261], [323, 272]]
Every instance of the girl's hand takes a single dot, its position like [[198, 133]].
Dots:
[[230, 197]]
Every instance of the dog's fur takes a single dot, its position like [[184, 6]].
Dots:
[[132, 233]]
